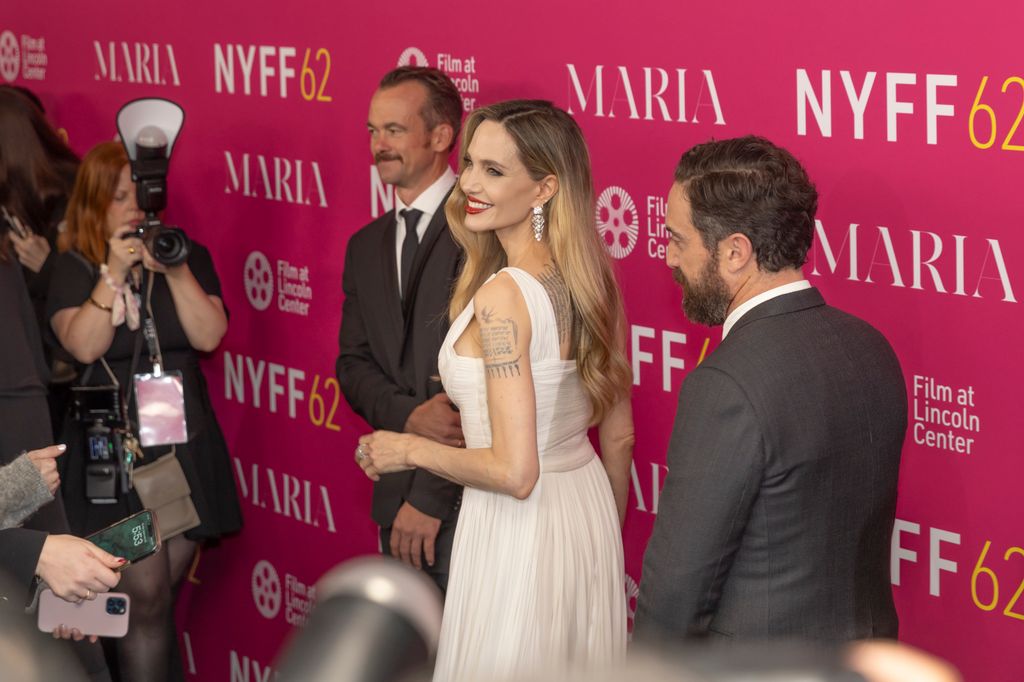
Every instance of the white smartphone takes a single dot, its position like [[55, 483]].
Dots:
[[105, 616], [9, 221]]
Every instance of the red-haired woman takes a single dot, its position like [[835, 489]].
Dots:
[[95, 297]]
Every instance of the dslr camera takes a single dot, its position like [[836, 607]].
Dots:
[[148, 129]]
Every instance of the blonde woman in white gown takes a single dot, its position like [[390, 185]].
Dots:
[[533, 358]]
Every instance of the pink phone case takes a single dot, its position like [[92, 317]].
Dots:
[[91, 617]]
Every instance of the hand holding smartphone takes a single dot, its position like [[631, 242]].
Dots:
[[133, 538], [12, 223], [104, 616]]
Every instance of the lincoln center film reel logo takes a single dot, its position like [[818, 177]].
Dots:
[[259, 281], [266, 589], [618, 221], [413, 56], [10, 56]]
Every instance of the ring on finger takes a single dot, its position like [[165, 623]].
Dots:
[[88, 595], [361, 453]]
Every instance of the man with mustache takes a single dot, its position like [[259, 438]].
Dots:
[[399, 271], [776, 514]]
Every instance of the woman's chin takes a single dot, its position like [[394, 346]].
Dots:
[[477, 223]]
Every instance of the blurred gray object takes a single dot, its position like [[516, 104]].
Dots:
[[27, 655], [375, 620]]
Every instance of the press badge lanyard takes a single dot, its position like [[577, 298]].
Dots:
[[149, 331], [159, 395]]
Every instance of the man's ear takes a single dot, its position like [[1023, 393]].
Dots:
[[441, 137], [736, 253], [548, 188]]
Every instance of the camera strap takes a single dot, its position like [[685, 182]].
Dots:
[[132, 446], [149, 330], [83, 380], [148, 334], [159, 395]]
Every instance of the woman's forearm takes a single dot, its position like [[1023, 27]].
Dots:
[[617, 460], [86, 331], [615, 434], [481, 468]]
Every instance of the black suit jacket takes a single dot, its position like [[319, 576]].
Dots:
[[778, 507], [388, 350], [20, 549]]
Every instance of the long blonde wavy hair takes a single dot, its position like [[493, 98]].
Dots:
[[550, 143]]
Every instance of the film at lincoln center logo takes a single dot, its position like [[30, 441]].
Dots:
[[266, 589], [413, 56], [10, 56], [259, 281], [618, 221]]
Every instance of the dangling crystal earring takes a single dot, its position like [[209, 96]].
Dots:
[[538, 222]]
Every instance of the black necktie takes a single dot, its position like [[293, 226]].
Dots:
[[409, 245]]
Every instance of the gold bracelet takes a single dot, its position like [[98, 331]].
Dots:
[[105, 308]]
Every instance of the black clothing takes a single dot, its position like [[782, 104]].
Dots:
[[777, 512], [388, 349], [25, 425], [24, 415], [24, 418], [204, 458]]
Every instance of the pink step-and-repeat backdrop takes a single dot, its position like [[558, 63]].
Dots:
[[909, 118]]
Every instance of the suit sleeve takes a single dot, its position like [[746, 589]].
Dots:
[[433, 495], [715, 461], [368, 389], [20, 549]]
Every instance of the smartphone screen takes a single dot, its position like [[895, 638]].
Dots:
[[133, 538]]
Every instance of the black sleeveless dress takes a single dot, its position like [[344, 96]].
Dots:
[[204, 458]]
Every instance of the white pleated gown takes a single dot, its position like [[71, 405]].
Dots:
[[536, 586]]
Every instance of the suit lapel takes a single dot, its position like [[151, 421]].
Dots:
[[392, 298], [438, 225]]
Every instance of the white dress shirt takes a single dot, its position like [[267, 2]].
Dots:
[[429, 201], [752, 303]]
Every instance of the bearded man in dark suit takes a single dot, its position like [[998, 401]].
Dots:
[[399, 272], [777, 511]]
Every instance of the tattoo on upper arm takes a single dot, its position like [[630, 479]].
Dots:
[[499, 340], [558, 292], [503, 370]]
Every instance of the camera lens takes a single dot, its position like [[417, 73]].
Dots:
[[168, 245], [116, 606]]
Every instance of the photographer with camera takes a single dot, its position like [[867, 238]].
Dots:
[[124, 313]]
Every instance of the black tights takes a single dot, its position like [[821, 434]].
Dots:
[[144, 653]]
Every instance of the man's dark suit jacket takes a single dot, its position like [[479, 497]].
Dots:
[[388, 350], [20, 549], [777, 511]]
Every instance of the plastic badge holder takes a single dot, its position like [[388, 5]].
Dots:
[[161, 400]]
